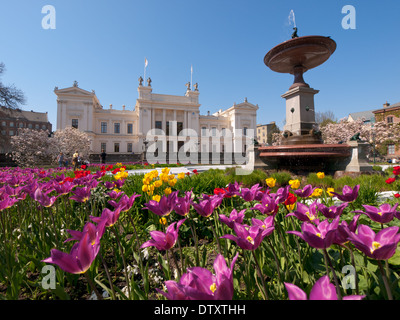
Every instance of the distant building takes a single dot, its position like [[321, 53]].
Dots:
[[264, 133], [13, 119], [365, 116], [123, 132], [389, 114]]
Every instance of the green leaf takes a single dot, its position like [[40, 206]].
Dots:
[[59, 292], [395, 259]]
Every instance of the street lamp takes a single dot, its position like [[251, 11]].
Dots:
[[373, 140], [145, 142]]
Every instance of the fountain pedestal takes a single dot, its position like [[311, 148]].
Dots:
[[359, 161], [300, 117]]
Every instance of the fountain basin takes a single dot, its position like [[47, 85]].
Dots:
[[297, 55], [306, 157]]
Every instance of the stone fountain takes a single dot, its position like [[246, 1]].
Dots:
[[302, 148]]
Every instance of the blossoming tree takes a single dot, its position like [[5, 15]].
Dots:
[[33, 147]]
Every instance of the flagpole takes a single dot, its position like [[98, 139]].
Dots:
[[191, 75], [144, 73]]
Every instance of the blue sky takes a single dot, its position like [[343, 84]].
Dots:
[[102, 45]]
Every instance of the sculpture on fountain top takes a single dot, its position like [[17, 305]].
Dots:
[[294, 34]]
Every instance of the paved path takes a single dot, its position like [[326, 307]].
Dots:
[[184, 169]]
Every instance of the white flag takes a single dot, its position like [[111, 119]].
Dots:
[[145, 62]]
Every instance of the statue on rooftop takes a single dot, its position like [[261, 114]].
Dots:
[[140, 81], [149, 81]]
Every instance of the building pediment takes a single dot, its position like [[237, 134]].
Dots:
[[246, 106], [73, 91]]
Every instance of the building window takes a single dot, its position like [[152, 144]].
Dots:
[[179, 126], [3, 132], [75, 123], [44, 127], [11, 132], [130, 128], [214, 131], [103, 146], [244, 131], [11, 124], [391, 148], [30, 125], [104, 127], [21, 124], [390, 119], [223, 132], [158, 125], [116, 127], [37, 126], [129, 147], [3, 123], [116, 147]]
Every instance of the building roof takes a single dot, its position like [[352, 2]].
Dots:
[[366, 116], [25, 115], [388, 107]]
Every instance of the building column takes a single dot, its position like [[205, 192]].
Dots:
[[185, 122], [64, 115], [164, 122]]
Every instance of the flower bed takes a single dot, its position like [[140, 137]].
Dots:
[[88, 234]]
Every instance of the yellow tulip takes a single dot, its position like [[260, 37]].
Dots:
[[294, 184], [270, 182], [181, 175], [329, 190], [164, 177], [290, 207], [172, 182], [121, 175], [320, 175], [145, 188], [163, 221], [167, 191], [157, 183], [317, 192], [156, 197]]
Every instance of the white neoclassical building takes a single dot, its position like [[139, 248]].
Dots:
[[124, 131]]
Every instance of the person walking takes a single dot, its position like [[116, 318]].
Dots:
[[75, 160], [103, 156], [60, 160]]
